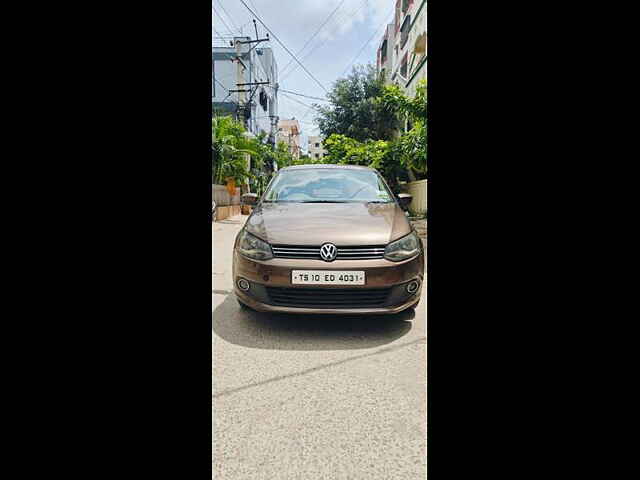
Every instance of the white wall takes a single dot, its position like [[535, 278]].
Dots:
[[419, 192], [222, 198]]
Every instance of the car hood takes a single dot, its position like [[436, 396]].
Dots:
[[344, 224]]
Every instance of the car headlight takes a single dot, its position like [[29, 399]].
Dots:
[[253, 247], [406, 247]]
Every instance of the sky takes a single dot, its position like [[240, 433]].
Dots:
[[330, 53]]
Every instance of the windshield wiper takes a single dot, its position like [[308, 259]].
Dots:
[[324, 201]]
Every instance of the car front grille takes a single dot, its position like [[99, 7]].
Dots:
[[344, 253], [328, 297]]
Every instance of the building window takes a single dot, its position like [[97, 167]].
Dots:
[[405, 5], [317, 155], [383, 52], [404, 31], [317, 145], [403, 66], [263, 100]]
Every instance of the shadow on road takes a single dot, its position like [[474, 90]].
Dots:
[[306, 332]]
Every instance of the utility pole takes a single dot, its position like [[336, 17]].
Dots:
[[239, 73], [240, 68], [243, 87]]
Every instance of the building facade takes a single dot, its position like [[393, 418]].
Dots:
[[385, 60], [402, 54], [315, 148], [289, 133], [256, 105]]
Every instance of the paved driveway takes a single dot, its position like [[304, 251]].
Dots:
[[303, 397]]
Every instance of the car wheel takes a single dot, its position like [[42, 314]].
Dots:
[[410, 309], [244, 306]]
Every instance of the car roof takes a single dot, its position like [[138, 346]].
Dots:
[[325, 165]]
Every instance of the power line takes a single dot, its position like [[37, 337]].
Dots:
[[220, 36], [225, 23], [316, 33], [303, 95], [354, 59], [218, 81], [321, 43], [343, 17], [368, 42], [228, 16], [284, 46], [297, 101], [254, 6]]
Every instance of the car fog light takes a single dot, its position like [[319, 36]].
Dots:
[[412, 287], [243, 284]]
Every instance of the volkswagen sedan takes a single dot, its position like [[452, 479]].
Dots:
[[328, 239]]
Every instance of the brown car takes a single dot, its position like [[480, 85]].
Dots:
[[328, 239]]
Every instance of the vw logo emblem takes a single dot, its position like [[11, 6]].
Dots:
[[328, 252]]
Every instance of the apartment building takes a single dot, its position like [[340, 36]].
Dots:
[[289, 133], [258, 104], [315, 148], [402, 54], [385, 60]]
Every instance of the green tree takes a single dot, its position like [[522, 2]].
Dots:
[[396, 102], [308, 160], [230, 147], [379, 154], [410, 149], [354, 110], [282, 155]]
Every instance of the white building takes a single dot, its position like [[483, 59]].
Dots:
[[385, 60], [258, 104], [289, 133], [402, 55], [315, 148]]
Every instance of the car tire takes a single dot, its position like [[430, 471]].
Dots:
[[410, 309], [244, 306]]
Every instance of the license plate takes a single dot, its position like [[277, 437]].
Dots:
[[327, 277]]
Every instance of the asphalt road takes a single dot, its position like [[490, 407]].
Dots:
[[303, 397]]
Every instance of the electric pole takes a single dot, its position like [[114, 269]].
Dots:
[[244, 109]]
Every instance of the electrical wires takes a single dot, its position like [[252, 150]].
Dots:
[[284, 46], [316, 33], [368, 42]]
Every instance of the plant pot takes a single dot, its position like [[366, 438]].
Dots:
[[231, 185]]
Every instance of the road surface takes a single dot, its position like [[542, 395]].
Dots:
[[303, 397]]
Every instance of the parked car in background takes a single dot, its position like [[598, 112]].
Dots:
[[328, 239]]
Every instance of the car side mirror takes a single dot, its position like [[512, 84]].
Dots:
[[405, 200], [250, 199]]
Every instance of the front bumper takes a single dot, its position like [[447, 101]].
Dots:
[[380, 274]]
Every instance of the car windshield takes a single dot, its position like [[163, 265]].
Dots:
[[328, 185]]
